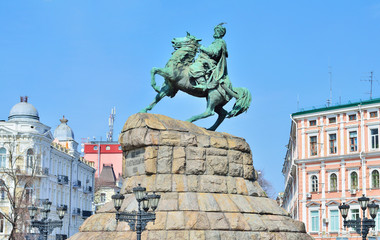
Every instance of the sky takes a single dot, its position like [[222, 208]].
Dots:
[[80, 58]]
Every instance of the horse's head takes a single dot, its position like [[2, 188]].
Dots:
[[188, 41]]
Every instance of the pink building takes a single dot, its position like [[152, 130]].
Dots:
[[104, 153], [333, 156]]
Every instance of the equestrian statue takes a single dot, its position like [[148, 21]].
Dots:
[[206, 76]]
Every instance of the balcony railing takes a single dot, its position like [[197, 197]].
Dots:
[[76, 211], [62, 179], [77, 184], [87, 189], [86, 214]]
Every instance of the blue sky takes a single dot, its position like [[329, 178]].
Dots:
[[81, 58]]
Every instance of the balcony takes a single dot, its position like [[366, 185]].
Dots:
[[87, 189], [77, 184], [76, 211], [62, 179], [86, 214]]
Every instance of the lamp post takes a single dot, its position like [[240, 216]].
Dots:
[[137, 220], [361, 226], [44, 225]]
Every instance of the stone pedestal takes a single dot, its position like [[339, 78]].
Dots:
[[206, 181]]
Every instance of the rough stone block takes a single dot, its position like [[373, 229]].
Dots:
[[247, 158], [235, 157], [150, 166], [163, 182], [241, 187], [179, 152], [203, 141], [168, 202], [199, 235], [164, 159], [235, 170], [207, 202], [160, 222], [248, 172], [152, 137], [196, 221], [170, 138], [218, 142], [217, 221], [176, 221], [237, 222], [188, 139], [225, 203], [195, 153], [177, 235], [179, 183], [255, 222], [217, 165], [192, 183], [178, 165], [136, 137], [238, 144], [196, 167], [150, 152], [188, 201], [213, 184], [216, 152]]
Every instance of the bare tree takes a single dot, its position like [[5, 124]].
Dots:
[[265, 184], [16, 183]]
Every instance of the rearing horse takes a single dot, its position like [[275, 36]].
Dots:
[[176, 75]]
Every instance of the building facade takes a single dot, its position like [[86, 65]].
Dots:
[[333, 157], [51, 161], [104, 153]]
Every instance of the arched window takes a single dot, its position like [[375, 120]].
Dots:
[[375, 179], [333, 182], [3, 157], [314, 183], [29, 158], [354, 180]]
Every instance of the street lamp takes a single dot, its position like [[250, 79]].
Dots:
[[137, 220], [46, 226], [361, 226]]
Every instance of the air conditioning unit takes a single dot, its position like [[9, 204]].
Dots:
[[308, 195], [353, 191]]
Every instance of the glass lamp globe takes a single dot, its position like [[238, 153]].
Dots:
[[117, 200], [373, 209], [363, 201], [32, 211], [154, 200], [61, 212], [145, 203], [344, 210], [139, 192]]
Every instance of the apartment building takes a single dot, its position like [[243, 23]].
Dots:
[[54, 164], [332, 157]]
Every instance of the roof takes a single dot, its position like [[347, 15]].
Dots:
[[23, 111], [107, 177], [372, 101]]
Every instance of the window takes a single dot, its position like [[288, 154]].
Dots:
[[334, 221], [3, 157], [2, 222], [354, 180], [332, 120], [377, 219], [314, 183], [102, 197], [2, 195], [28, 194], [375, 138], [313, 146], [332, 143], [108, 148], [353, 141], [352, 117], [375, 179], [29, 158], [373, 114], [333, 182], [314, 221], [354, 216], [313, 123], [95, 147]]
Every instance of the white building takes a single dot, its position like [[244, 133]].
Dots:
[[61, 175]]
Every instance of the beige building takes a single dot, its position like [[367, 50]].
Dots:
[[52, 161], [105, 186]]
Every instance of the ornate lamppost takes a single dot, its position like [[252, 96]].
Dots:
[[44, 225], [361, 226], [137, 220]]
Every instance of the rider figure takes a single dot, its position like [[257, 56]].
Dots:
[[210, 68]]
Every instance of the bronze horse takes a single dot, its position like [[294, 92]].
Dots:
[[176, 75]]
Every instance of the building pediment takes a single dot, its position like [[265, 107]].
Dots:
[[332, 203], [7, 131], [353, 201], [313, 204]]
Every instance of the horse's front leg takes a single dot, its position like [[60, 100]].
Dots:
[[164, 72], [209, 112], [158, 98]]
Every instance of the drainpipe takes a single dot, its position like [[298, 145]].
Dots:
[[362, 158], [70, 189], [99, 156]]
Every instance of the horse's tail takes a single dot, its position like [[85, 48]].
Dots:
[[242, 102]]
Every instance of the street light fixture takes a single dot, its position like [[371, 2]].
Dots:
[[46, 226], [137, 220], [361, 226]]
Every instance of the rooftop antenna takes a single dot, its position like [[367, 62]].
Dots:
[[329, 101], [371, 80], [111, 120]]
